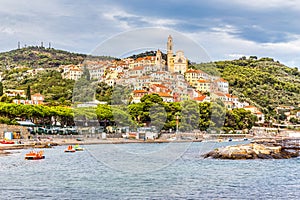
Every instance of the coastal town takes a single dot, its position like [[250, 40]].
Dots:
[[173, 79], [149, 100], [170, 75]]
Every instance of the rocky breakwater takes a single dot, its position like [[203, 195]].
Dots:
[[251, 151]]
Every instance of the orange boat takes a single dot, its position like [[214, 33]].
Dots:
[[70, 149], [32, 155]]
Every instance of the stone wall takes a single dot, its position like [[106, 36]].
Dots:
[[13, 128]]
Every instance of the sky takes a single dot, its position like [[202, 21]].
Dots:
[[223, 29]]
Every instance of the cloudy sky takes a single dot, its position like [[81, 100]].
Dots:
[[224, 29]]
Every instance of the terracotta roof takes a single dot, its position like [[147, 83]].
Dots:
[[38, 94], [139, 91], [203, 81], [201, 98], [249, 107], [139, 59], [163, 94], [221, 80], [138, 68], [159, 85], [197, 71]]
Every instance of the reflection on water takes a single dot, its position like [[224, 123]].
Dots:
[[85, 175]]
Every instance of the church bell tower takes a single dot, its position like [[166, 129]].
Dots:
[[170, 58]]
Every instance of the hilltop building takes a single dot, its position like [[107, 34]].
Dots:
[[177, 63]]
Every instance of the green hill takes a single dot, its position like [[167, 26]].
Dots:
[[263, 82], [34, 57]]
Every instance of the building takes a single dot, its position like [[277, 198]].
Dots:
[[72, 72], [203, 85], [15, 93], [203, 98], [221, 85], [36, 99], [193, 75], [137, 95], [177, 63], [255, 111], [166, 97]]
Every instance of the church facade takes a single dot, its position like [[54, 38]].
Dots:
[[178, 62]]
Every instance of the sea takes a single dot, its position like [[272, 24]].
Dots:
[[146, 171]]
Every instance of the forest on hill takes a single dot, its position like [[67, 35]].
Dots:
[[262, 82]]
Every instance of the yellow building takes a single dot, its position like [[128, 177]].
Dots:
[[192, 76], [203, 85], [176, 63]]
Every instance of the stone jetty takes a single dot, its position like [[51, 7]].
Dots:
[[251, 151]]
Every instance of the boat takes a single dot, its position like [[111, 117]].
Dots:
[[230, 140], [78, 148], [7, 142], [70, 149], [32, 155]]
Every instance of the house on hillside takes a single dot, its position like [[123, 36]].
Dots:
[[72, 72], [203, 98], [15, 93], [203, 85], [221, 85], [255, 111], [137, 95], [36, 99], [192, 76], [166, 97]]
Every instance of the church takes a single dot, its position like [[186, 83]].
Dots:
[[178, 62]]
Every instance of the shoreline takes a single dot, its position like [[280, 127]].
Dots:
[[64, 142]]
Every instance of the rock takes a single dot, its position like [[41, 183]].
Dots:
[[251, 151]]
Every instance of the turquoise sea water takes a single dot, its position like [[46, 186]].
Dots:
[[99, 173]]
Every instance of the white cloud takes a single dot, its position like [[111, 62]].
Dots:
[[222, 45], [127, 21], [265, 4]]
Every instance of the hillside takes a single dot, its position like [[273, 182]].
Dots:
[[263, 82], [34, 57]]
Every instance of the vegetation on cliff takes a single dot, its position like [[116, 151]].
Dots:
[[263, 82]]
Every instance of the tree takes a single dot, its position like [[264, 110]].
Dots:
[[86, 74], [121, 117], [189, 116], [1, 89], [205, 115], [239, 119], [28, 93]]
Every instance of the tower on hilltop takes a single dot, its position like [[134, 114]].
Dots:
[[176, 63], [170, 58]]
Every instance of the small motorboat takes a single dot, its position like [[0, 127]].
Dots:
[[78, 148], [70, 149], [7, 142], [230, 140], [32, 155]]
